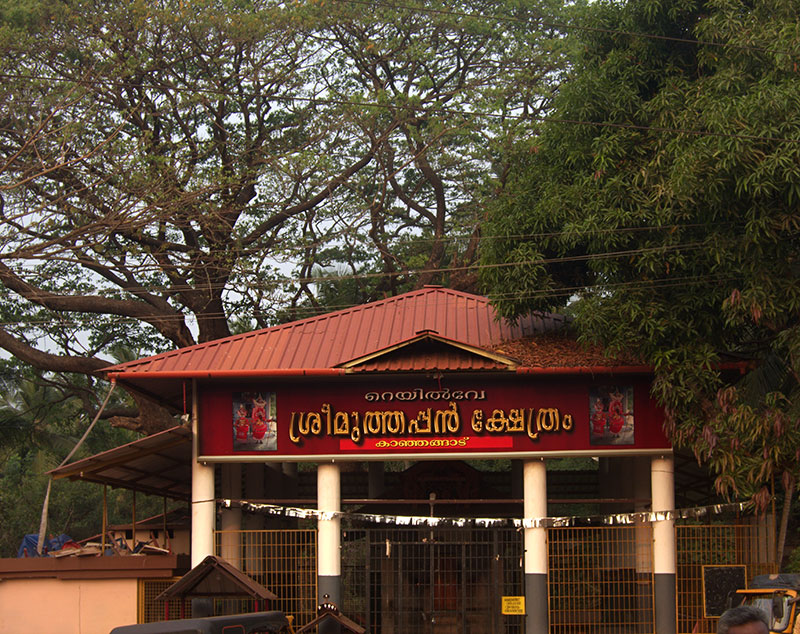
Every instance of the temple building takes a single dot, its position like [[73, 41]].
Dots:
[[428, 467]]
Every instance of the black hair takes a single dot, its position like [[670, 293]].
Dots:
[[741, 615]]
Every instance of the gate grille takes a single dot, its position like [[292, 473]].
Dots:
[[284, 561], [745, 544], [601, 580], [443, 581], [451, 580], [150, 610]]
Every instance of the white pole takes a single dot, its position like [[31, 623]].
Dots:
[[534, 475], [203, 503], [665, 562], [329, 499]]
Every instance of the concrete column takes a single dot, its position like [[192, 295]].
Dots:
[[203, 503], [230, 521], [536, 565], [665, 562], [329, 556], [644, 530]]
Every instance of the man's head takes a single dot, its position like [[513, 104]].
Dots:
[[744, 619]]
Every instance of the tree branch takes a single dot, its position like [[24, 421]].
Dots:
[[47, 361]]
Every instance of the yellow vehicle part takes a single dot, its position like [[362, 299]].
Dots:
[[780, 606]]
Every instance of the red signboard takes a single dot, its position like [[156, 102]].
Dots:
[[430, 418]]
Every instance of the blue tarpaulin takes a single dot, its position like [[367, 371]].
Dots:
[[30, 543]]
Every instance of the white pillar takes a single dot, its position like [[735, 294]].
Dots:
[[534, 475], [665, 561], [203, 503], [329, 557], [230, 521]]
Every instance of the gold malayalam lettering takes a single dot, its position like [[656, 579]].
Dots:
[[477, 421], [314, 420], [516, 421], [415, 426], [428, 422], [533, 434], [530, 421], [341, 424], [496, 423], [548, 419], [447, 421], [294, 435]]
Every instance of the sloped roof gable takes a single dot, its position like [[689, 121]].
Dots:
[[327, 341], [427, 352], [215, 577]]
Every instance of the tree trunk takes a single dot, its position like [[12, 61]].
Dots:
[[43, 520]]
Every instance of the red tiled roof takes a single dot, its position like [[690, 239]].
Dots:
[[559, 349], [430, 329], [327, 341]]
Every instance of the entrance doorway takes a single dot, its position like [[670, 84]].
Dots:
[[433, 581]]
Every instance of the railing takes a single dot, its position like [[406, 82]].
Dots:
[[150, 610], [414, 580], [431, 581]]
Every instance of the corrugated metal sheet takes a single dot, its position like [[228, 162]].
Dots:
[[158, 465], [329, 340]]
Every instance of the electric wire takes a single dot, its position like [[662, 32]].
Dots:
[[712, 281], [566, 26], [317, 101], [411, 272], [440, 110]]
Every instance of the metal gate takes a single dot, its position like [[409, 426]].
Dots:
[[415, 580], [600, 580], [442, 581]]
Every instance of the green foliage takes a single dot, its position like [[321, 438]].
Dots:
[[661, 200], [166, 165], [792, 562], [38, 429], [75, 507], [169, 164]]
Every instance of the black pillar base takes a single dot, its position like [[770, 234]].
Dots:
[[332, 586], [537, 620], [665, 603]]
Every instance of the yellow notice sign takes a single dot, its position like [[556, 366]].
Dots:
[[513, 605]]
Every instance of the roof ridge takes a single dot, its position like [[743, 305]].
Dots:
[[426, 290]]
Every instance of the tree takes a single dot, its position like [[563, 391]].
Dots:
[[165, 163], [661, 200], [39, 426]]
